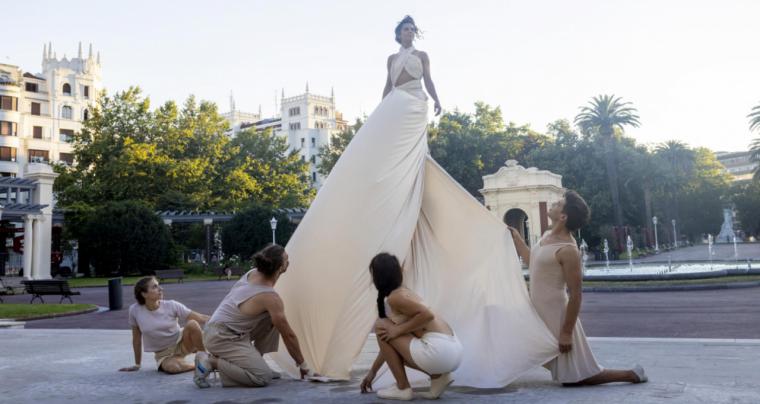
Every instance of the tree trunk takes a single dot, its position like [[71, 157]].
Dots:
[[612, 178]]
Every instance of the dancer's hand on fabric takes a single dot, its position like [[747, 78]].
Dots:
[[565, 342], [366, 385], [306, 372], [130, 369], [437, 108], [515, 234], [387, 332]]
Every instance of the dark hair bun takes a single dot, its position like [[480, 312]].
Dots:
[[269, 259]]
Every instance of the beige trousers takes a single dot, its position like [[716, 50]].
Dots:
[[240, 355]]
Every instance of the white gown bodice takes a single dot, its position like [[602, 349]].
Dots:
[[407, 60]]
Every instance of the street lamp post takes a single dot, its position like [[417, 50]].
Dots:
[[656, 243], [273, 224], [675, 234], [207, 222]]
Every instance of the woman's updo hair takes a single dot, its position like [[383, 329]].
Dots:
[[387, 277], [269, 259], [141, 287], [407, 20]]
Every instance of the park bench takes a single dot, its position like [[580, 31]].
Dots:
[[49, 287], [163, 274], [4, 290], [233, 271]]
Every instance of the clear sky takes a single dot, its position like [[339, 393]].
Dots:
[[692, 68]]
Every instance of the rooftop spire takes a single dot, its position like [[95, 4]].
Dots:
[[307, 87], [79, 53], [90, 53], [44, 51]]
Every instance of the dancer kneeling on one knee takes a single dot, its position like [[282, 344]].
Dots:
[[248, 324], [154, 323], [409, 334]]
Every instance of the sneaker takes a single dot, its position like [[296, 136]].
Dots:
[[202, 370], [394, 393], [437, 386], [640, 374]]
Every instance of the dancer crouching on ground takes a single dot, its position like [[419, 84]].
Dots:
[[409, 334], [251, 312], [154, 323]]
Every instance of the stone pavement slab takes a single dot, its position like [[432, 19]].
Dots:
[[76, 366]]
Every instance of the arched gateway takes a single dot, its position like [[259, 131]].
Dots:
[[521, 197]]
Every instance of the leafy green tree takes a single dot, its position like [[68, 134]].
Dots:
[[604, 114], [249, 231], [329, 154], [746, 199], [126, 238]]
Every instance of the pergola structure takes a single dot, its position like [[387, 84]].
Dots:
[[29, 200]]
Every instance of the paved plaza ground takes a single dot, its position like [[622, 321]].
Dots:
[[697, 346], [51, 366]]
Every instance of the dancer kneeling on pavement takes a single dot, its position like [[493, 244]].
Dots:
[[252, 312], [409, 334], [155, 323]]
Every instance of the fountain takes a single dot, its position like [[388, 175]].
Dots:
[[736, 252], [710, 248], [606, 250], [584, 256], [629, 248]]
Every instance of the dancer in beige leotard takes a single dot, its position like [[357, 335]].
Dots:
[[555, 270]]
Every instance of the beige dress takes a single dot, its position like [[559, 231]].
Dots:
[[549, 296]]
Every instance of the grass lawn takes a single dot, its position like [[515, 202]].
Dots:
[[130, 280], [30, 311]]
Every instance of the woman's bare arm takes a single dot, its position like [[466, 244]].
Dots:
[[388, 82], [200, 318], [429, 86], [571, 267], [137, 348]]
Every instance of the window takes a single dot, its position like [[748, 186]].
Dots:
[[66, 88], [314, 176], [66, 112], [36, 110], [7, 153], [85, 114], [67, 158], [313, 142], [303, 158], [8, 128], [38, 156], [303, 142], [5, 174], [86, 91], [294, 111], [31, 87], [67, 135], [295, 126], [8, 103], [313, 159], [37, 132]]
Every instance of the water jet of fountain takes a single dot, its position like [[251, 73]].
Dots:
[[606, 250], [710, 248], [584, 257], [629, 248]]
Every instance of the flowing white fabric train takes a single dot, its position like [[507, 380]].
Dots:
[[387, 194]]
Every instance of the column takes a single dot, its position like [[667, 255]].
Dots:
[[28, 243], [41, 256]]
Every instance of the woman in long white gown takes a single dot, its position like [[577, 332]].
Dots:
[[386, 193]]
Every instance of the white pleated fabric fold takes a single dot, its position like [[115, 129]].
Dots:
[[386, 194]]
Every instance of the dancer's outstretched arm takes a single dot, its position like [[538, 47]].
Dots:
[[137, 348], [276, 309], [522, 248], [366, 385]]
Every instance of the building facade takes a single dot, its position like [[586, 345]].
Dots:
[[738, 164], [39, 113], [307, 121]]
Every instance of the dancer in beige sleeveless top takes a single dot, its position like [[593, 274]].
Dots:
[[248, 324], [555, 290]]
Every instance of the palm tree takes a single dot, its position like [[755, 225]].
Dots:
[[754, 147], [678, 161], [602, 116]]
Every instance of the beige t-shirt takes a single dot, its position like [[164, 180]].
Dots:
[[160, 328]]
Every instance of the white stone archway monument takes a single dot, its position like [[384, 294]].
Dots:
[[521, 197], [29, 200]]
